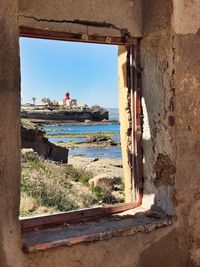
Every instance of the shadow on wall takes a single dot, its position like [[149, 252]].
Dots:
[[159, 169]]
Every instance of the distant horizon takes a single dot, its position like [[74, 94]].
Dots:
[[50, 68]]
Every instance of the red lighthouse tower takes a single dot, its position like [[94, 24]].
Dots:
[[67, 97]]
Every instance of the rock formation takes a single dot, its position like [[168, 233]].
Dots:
[[34, 138]]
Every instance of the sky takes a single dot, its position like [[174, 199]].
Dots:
[[50, 68]]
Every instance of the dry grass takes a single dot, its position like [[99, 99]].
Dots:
[[30, 206], [55, 187], [48, 187], [27, 124]]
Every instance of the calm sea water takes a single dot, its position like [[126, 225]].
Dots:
[[108, 152], [81, 129]]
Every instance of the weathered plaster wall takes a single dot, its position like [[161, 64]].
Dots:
[[188, 143], [9, 135], [171, 86], [187, 102], [118, 252], [158, 104], [186, 16], [101, 17]]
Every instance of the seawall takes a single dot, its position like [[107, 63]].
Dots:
[[80, 116]]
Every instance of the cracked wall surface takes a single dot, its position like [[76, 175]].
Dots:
[[186, 24], [187, 101], [100, 17], [157, 59], [10, 241], [171, 86]]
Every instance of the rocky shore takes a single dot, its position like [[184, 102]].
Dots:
[[92, 141], [106, 173], [33, 137]]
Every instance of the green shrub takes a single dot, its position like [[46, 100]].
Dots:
[[77, 175], [85, 179], [55, 185], [97, 191]]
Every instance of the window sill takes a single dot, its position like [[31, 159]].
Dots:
[[100, 229]]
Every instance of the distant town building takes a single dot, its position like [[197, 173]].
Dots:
[[61, 102], [73, 102]]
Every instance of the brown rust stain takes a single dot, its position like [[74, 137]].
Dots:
[[165, 170]]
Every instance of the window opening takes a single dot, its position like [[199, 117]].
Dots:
[[90, 173], [134, 199], [33, 240]]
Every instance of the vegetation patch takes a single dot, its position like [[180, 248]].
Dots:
[[58, 186], [49, 187], [27, 124], [97, 191]]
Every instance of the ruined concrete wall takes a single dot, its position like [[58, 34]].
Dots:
[[100, 17], [157, 56], [9, 135], [171, 82], [118, 252], [186, 16], [187, 103]]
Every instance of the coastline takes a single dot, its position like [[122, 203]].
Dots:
[[87, 138]]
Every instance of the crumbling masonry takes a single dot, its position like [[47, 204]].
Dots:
[[170, 63]]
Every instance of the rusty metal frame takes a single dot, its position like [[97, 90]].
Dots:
[[74, 217], [77, 216], [75, 37]]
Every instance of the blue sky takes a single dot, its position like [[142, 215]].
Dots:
[[50, 68]]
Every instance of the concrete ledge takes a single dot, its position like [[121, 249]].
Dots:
[[104, 229]]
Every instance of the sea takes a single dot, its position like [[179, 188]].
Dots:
[[105, 152]]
